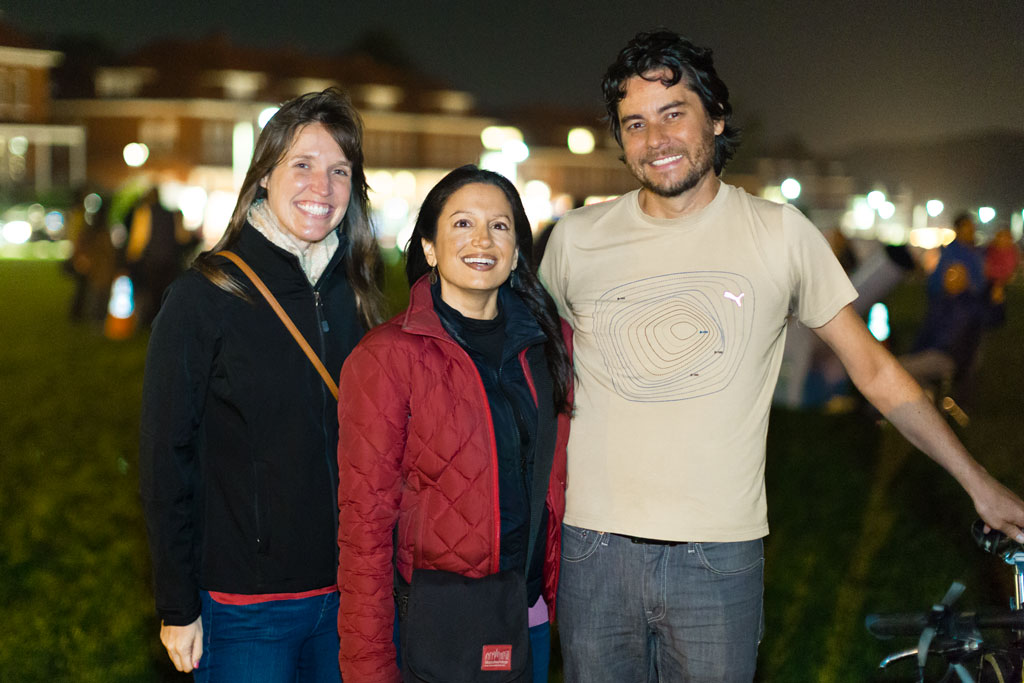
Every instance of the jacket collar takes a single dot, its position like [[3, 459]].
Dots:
[[421, 318]]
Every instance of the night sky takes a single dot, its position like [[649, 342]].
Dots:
[[831, 73]]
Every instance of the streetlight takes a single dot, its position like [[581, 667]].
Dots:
[[986, 214], [515, 150], [790, 188], [495, 138], [135, 154], [580, 141], [934, 207]]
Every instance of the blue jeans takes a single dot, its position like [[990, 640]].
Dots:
[[636, 613], [540, 651], [278, 641]]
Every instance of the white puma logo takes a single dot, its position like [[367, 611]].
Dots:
[[737, 298]]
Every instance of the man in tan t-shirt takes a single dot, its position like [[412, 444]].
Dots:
[[678, 294]]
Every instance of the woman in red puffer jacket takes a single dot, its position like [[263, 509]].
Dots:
[[453, 423]]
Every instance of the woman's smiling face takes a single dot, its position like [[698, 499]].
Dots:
[[474, 248], [309, 188]]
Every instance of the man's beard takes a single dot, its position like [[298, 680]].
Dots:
[[701, 163]]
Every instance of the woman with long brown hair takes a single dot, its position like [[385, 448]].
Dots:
[[239, 429]]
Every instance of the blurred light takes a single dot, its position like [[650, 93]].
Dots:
[[863, 215], [891, 233], [499, 163], [580, 141], [562, 203], [875, 199], [516, 150], [92, 202], [773, 193], [396, 209], [122, 298], [118, 235], [919, 216], [931, 238], [986, 214], [16, 232], [934, 207], [192, 202], [264, 116], [537, 201], [43, 249], [597, 199], [886, 210], [241, 150], [537, 189], [219, 207], [36, 213], [16, 167], [382, 183], [495, 137], [405, 184], [403, 235], [54, 222], [790, 188], [135, 154], [878, 321], [18, 145]]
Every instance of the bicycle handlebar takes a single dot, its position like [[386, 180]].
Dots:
[[884, 626]]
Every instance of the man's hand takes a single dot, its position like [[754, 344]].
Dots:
[[184, 644], [998, 507]]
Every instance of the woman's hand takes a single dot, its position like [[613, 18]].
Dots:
[[184, 644]]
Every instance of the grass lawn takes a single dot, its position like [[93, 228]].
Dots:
[[860, 521]]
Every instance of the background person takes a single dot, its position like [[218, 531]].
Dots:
[[239, 431], [945, 351], [679, 294], [155, 251], [447, 429], [93, 262], [1001, 259]]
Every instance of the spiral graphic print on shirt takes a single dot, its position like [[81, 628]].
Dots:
[[674, 337]]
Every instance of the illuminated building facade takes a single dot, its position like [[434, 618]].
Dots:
[[35, 155], [189, 113]]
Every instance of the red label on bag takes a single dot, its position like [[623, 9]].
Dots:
[[497, 658]]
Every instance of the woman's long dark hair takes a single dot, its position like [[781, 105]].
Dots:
[[527, 286], [334, 111]]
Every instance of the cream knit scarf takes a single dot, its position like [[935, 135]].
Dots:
[[313, 257]]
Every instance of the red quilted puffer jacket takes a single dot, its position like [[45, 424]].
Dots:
[[417, 450]]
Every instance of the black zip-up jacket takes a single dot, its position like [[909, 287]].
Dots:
[[514, 419], [238, 445]]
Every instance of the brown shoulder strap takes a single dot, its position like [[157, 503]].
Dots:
[[251, 274]]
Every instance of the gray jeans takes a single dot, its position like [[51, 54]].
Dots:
[[636, 613]]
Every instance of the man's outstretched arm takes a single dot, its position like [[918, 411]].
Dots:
[[884, 382]]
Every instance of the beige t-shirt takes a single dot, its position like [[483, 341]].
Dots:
[[679, 327]]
